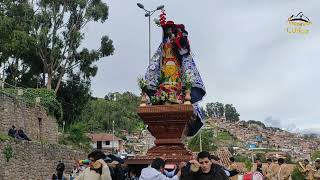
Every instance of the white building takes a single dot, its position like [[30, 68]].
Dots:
[[106, 142]]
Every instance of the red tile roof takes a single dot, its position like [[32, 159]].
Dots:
[[103, 137]]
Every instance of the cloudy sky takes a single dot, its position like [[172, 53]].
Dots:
[[242, 50]]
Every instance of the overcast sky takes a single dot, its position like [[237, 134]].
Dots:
[[241, 48]]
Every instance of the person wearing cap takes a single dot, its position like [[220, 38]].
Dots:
[[308, 170], [284, 171], [316, 175], [272, 170], [268, 173], [98, 169]]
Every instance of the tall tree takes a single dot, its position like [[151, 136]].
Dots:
[[57, 28], [219, 109], [231, 113], [203, 112], [74, 94], [17, 44], [117, 107], [210, 110], [215, 109]]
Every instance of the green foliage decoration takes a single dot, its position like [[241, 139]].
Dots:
[[296, 174]]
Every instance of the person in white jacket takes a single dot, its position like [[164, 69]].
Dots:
[[98, 170], [156, 171]]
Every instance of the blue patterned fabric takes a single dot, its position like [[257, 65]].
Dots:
[[188, 67]]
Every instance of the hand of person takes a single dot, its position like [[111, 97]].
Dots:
[[182, 164], [113, 164], [102, 162], [195, 162], [195, 165]]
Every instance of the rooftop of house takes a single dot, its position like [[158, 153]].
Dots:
[[103, 137]]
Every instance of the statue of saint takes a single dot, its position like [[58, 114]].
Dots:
[[172, 72]]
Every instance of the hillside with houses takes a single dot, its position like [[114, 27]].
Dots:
[[255, 136]]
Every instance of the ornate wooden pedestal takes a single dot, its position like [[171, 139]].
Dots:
[[167, 124]]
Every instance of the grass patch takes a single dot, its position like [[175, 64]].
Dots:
[[226, 136], [4, 137]]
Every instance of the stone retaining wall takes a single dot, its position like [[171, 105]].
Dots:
[[33, 119], [35, 161]]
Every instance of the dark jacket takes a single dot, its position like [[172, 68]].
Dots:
[[216, 173]]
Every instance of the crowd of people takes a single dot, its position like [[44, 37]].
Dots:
[[18, 134], [309, 171], [205, 166]]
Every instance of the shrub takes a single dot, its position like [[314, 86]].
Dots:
[[47, 99], [8, 153]]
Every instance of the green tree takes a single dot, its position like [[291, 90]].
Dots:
[[76, 136], [219, 108], [215, 110], [231, 113], [240, 158], [17, 45], [120, 108], [74, 94], [207, 139], [210, 110], [57, 28], [315, 155], [203, 112]]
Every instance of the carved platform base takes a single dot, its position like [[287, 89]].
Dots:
[[167, 123]]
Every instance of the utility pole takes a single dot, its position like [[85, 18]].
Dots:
[[3, 73], [112, 136], [200, 141]]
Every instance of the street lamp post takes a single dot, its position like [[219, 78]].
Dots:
[[149, 14]]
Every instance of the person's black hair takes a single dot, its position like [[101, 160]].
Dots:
[[96, 155], [204, 154], [280, 160], [258, 159], [306, 160], [13, 127], [60, 169], [214, 157], [115, 158], [165, 28], [232, 159], [269, 160], [158, 163]]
